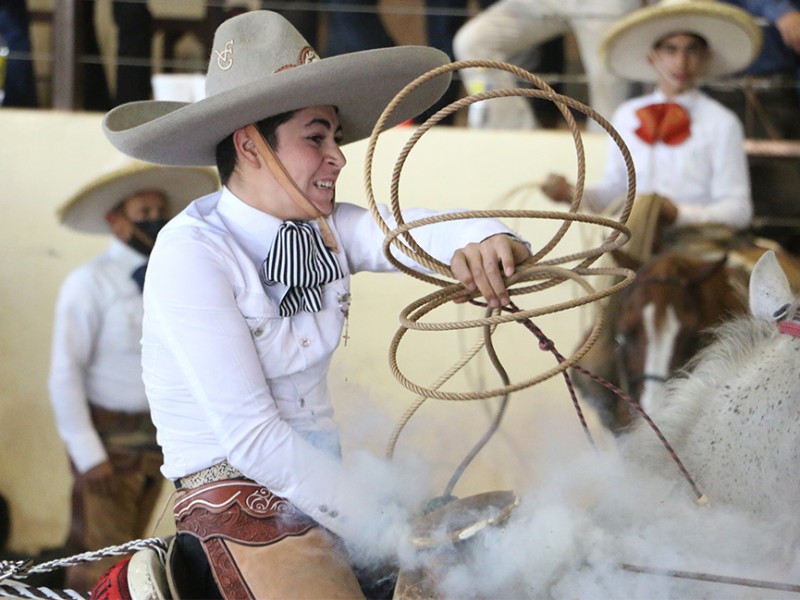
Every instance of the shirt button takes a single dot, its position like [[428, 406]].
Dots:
[[258, 332], [302, 402], [305, 342], [334, 514], [323, 509]]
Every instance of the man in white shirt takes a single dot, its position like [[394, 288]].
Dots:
[[95, 377], [247, 296], [687, 149], [509, 28]]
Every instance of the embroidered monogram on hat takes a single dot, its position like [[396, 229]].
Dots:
[[307, 55], [666, 122], [225, 57], [299, 260]]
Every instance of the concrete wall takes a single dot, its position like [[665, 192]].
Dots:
[[46, 155]]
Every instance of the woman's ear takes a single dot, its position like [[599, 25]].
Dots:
[[245, 148]]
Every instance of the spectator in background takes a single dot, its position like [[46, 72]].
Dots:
[[134, 55], [134, 51], [442, 20], [19, 84], [510, 27], [95, 377], [772, 79], [305, 20], [355, 28]]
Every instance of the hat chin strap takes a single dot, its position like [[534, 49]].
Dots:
[[288, 184]]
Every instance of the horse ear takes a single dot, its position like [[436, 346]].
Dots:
[[769, 288], [706, 269], [625, 260]]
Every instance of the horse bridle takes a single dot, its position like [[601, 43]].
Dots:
[[633, 380]]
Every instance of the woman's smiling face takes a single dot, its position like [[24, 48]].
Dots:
[[308, 147]]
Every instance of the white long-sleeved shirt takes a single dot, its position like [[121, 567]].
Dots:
[[706, 176], [228, 378], [96, 352]]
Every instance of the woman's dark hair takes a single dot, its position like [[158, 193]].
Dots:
[[226, 152]]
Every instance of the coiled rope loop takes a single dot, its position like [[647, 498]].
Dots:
[[539, 272]]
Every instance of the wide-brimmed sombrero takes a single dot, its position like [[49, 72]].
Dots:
[[86, 209], [261, 66], [733, 37]]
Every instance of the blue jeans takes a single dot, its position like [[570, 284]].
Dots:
[[20, 84], [352, 31]]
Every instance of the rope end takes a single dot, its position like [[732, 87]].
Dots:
[[703, 501]]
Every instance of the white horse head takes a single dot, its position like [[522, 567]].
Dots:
[[734, 417]]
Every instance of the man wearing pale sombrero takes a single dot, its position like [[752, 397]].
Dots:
[[692, 178], [246, 299], [687, 148], [95, 379]]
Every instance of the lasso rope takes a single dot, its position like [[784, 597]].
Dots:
[[15, 569], [547, 272], [538, 273]]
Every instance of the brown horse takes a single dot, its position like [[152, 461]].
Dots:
[[654, 326], [665, 315]]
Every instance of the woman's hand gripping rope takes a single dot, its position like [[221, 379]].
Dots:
[[485, 266]]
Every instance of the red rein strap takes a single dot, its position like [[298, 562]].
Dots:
[[789, 327]]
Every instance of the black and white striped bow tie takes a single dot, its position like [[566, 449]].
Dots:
[[299, 260]]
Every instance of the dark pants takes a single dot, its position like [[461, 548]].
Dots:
[[20, 84], [134, 68], [134, 39], [355, 30]]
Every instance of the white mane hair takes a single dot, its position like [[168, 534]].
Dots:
[[733, 418]]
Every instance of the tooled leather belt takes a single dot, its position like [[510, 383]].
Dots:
[[252, 514]]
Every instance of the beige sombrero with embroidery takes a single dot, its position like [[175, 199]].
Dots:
[[733, 37], [261, 66], [86, 209]]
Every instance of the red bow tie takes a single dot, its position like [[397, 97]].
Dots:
[[666, 122]]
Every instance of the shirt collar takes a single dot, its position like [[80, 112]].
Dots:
[[253, 229], [687, 99]]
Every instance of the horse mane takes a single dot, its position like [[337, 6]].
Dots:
[[735, 344]]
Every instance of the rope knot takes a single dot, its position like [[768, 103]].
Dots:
[[14, 568]]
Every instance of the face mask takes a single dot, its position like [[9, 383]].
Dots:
[[148, 229]]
